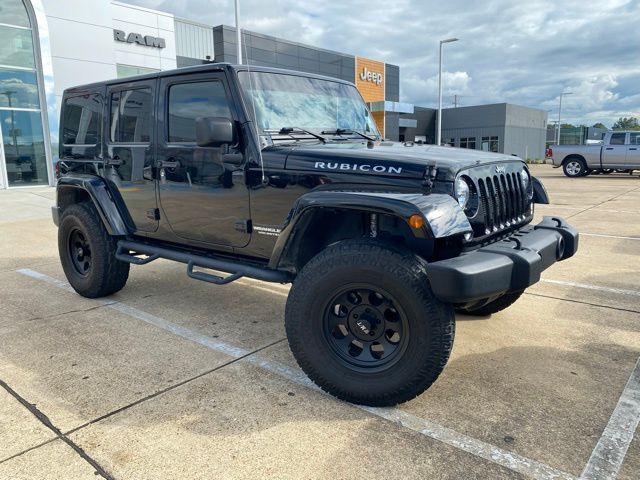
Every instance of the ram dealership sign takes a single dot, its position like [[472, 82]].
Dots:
[[146, 40], [369, 76]]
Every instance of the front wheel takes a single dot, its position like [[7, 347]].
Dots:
[[364, 325]]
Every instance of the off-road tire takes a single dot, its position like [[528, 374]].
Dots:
[[401, 275], [496, 306], [105, 275], [574, 167]]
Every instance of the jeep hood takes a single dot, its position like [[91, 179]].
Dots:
[[392, 159]]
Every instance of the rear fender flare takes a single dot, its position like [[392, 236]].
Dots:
[[442, 215], [102, 199]]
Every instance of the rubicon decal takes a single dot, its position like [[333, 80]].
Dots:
[[357, 167]]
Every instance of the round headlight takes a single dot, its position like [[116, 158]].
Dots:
[[462, 191], [525, 180]]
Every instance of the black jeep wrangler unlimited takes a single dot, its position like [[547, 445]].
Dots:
[[283, 177]]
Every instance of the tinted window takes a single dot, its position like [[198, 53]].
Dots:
[[617, 138], [634, 138], [131, 116], [188, 101], [81, 122]]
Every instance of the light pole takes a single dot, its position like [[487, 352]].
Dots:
[[238, 34], [560, 113], [439, 125]]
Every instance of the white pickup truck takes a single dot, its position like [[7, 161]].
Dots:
[[619, 151]]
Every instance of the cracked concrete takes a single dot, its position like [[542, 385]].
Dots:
[[539, 379]]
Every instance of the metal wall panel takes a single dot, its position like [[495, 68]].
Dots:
[[275, 52], [392, 83], [193, 40]]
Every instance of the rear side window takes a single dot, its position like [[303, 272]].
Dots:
[[188, 101], [634, 138], [81, 121], [131, 116], [617, 138]]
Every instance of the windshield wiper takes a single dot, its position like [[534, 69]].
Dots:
[[346, 131], [290, 130]]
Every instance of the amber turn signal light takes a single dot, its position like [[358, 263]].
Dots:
[[416, 221]]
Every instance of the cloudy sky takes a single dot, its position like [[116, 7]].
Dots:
[[523, 52]]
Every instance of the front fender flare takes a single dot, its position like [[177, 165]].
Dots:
[[540, 194], [441, 212], [101, 197]]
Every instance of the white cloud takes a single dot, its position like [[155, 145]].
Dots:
[[518, 52]]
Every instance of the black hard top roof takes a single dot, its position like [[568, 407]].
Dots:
[[208, 67]]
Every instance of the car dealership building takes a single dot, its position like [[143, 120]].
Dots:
[[47, 46]]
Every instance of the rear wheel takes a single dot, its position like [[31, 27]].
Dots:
[[364, 325], [87, 253], [574, 167]]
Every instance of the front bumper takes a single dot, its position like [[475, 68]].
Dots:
[[509, 265]]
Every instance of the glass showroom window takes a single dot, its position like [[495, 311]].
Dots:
[[23, 156], [490, 144], [130, 70], [468, 142]]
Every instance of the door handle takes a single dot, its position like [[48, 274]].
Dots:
[[115, 160], [632, 148], [170, 163], [609, 148]]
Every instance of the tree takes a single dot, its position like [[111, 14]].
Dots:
[[599, 125], [567, 125], [627, 123]]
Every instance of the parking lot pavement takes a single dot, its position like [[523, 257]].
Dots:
[[173, 378]]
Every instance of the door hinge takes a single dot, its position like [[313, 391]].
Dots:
[[243, 226], [153, 214]]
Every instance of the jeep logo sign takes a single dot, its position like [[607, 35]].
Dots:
[[369, 76], [147, 40]]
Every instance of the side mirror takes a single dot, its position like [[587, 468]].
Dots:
[[214, 131]]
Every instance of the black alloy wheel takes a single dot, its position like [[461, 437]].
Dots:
[[79, 252], [87, 253], [365, 327], [364, 324]]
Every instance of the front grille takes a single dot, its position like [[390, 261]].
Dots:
[[502, 201]]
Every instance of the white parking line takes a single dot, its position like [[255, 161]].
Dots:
[[486, 451], [607, 457], [588, 286], [618, 237]]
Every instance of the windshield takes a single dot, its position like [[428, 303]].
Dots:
[[289, 101]]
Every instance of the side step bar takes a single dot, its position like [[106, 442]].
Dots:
[[129, 251]]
